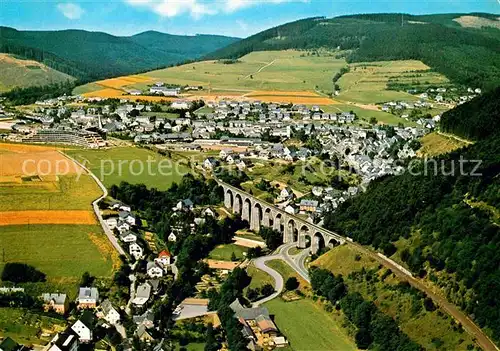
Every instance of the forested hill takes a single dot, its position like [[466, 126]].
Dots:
[[444, 225], [470, 56], [476, 120], [96, 55]]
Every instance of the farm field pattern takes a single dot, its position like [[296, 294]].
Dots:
[[46, 219]]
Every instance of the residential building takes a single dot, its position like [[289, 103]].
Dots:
[[163, 258], [64, 341], [308, 205], [153, 270], [135, 251], [88, 297], [84, 327], [109, 313], [142, 294], [58, 303]]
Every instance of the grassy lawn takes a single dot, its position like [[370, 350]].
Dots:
[[435, 144], [192, 346], [294, 251], [308, 327], [62, 252], [130, 164], [24, 327], [259, 278], [224, 252], [433, 330], [282, 268], [68, 192], [344, 260], [249, 235]]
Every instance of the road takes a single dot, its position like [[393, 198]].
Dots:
[[260, 69], [95, 206], [260, 263], [482, 339], [297, 262]]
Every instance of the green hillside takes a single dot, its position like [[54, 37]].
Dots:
[[95, 55], [485, 120], [24, 73], [443, 225], [470, 56]]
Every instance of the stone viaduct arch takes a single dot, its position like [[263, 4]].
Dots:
[[294, 229]]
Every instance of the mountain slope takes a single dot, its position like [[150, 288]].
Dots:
[[95, 55], [24, 73], [467, 55], [444, 225]]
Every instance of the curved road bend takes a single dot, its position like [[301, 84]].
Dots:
[[297, 262], [95, 205], [260, 263]]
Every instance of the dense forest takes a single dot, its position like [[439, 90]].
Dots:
[[447, 209], [375, 330], [29, 95], [467, 56], [476, 120], [95, 55]]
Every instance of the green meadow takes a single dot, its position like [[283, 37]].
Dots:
[[262, 70], [132, 164]]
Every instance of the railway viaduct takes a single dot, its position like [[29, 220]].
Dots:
[[261, 213]]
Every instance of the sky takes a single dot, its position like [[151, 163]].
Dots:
[[239, 18]]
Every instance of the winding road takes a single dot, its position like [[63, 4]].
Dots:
[[95, 205], [297, 262]]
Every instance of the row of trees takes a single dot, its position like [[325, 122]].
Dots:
[[375, 330], [220, 301]]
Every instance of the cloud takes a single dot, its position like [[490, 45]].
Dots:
[[71, 10], [199, 8], [242, 24]]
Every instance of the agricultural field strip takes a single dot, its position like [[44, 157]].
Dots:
[[47, 217]]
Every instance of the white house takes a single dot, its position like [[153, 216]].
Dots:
[[64, 341], [125, 208], [88, 297], [112, 222], [163, 258], [142, 294], [185, 204], [209, 212], [153, 270], [109, 313], [136, 251], [123, 227], [172, 237], [128, 237], [210, 163], [84, 327], [286, 194], [127, 217], [290, 209], [181, 104]]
